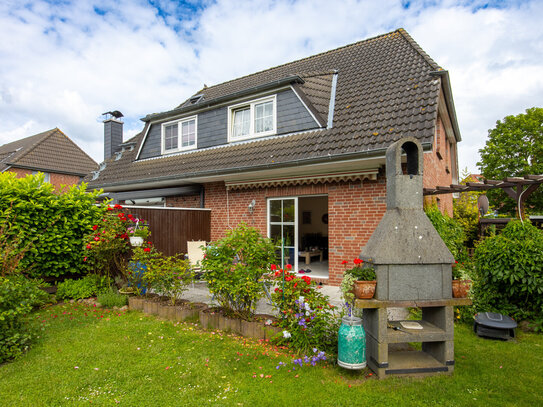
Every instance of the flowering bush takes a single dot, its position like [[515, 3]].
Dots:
[[107, 244], [234, 266], [308, 319]]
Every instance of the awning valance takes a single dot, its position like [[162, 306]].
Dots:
[[370, 174]]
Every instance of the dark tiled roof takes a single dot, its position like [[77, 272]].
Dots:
[[384, 91], [49, 151]]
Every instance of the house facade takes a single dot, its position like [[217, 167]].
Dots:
[[297, 151], [52, 153]]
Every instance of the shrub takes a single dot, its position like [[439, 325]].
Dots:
[[55, 223], [509, 273], [307, 318], [18, 295], [111, 298], [167, 275], [234, 266], [85, 287], [107, 245], [450, 231]]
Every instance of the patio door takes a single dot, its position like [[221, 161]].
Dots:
[[283, 229]]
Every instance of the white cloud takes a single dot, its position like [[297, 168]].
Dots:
[[63, 65]]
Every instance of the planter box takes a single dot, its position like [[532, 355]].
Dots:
[[150, 306], [166, 311], [189, 310], [135, 303], [229, 324], [253, 329], [209, 318]]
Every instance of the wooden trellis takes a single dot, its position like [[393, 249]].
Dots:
[[518, 188]]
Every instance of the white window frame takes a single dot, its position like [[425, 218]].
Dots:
[[294, 262], [251, 104], [179, 123]]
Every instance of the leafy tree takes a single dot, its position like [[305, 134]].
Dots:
[[514, 148]]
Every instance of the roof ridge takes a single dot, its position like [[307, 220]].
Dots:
[[45, 136], [419, 49], [303, 59]]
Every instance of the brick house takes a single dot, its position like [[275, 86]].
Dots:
[[296, 150], [60, 160]]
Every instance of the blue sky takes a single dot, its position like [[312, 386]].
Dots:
[[66, 62]]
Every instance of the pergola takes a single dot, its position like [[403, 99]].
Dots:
[[518, 188]]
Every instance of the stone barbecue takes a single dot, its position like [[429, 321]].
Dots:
[[414, 269], [410, 258]]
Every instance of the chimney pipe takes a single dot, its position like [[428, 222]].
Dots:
[[113, 133]]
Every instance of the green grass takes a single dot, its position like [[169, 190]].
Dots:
[[86, 355]]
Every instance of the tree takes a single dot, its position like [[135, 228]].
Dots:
[[514, 148]]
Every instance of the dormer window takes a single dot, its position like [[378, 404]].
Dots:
[[179, 135], [252, 119]]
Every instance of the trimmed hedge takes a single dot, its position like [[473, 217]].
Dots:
[[55, 222]]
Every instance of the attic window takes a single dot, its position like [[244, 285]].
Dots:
[[179, 135], [196, 99], [252, 119]]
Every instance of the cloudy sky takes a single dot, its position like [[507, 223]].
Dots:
[[63, 63]]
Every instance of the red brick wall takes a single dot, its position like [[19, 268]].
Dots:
[[56, 179], [354, 210], [439, 171]]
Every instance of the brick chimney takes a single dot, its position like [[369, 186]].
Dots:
[[113, 133]]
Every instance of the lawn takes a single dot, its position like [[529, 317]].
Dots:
[[86, 356]]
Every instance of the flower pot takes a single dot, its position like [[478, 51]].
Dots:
[[136, 240], [460, 288], [364, 290]]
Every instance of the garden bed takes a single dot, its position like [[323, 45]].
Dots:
[[210, 318]]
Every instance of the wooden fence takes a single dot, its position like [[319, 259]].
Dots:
[[171, 228]]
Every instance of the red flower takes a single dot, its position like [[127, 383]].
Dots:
[[95, 227], [85, 258], [273, 267], [109, 208], [96, 238], [149, 243], [89, 246], [147, 250], [277, 273], [130, 216], [289, 267], [357, 261], [124, 236], [295, 284], [344, 262], [117, 206]]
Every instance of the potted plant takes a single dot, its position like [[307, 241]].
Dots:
[[364, 278], [138, 233], [461, 283]]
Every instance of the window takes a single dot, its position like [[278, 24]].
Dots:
[[252, 119], [179, 135], [46, 175]]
